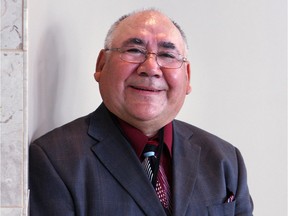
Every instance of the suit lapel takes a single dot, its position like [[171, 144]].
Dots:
[[185, 166], [120, 159]]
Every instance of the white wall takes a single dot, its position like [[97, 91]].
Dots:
[[238, 56]]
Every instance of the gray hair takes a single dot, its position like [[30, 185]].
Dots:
[[109, 36]]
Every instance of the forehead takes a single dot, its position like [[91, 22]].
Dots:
[[151, 27]]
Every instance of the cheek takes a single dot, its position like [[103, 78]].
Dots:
[[110, 72], [177, 82], [114, 76]]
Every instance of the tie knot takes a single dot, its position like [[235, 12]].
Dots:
[[149, 150]]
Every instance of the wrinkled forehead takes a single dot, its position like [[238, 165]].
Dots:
[[151, 28]]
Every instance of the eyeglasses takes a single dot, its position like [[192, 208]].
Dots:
[[136, 55]]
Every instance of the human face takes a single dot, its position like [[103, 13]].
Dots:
[[144, 95]]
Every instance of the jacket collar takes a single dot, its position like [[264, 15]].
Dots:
[[186, 156], [115, 152]]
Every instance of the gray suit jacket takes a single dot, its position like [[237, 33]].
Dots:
[[87, 168]]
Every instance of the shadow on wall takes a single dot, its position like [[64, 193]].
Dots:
[[50, 61]]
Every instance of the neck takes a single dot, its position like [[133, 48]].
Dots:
[[148, 127]]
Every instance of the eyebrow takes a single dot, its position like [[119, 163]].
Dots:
[[138, 41], [167, 45], [133, 41]]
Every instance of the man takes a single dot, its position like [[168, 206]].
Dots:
[[130, 157]]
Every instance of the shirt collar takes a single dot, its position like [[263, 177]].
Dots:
[[138, 140]]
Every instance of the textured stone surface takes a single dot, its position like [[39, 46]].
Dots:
[[13, 151], [12, 129], [11, 212], [11, 24]]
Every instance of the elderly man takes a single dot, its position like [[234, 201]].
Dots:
[[130, 156]]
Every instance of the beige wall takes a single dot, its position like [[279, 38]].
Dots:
[[13, 131], [239, 81], [239, 62]]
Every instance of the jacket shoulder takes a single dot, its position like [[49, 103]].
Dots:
[[73, 130], [204, 139]]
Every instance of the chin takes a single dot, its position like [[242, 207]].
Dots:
[[144, 115]]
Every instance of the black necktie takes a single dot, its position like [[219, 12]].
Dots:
[[157, 177]]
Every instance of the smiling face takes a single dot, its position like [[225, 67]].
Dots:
[[144, 95]]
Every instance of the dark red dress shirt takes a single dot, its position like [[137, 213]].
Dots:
[[138, 141]]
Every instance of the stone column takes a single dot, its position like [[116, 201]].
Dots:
[[13, 125]]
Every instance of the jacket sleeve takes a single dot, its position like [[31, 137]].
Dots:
[[244, 203], [48, 193]]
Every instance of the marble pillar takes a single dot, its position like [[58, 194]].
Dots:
[[13, 91]]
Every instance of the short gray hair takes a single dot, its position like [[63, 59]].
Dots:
[[109, 36]]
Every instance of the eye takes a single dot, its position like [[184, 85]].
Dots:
[[134, 51], [167, 55]]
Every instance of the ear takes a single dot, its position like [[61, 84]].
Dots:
[[188, 85], [99, 65]]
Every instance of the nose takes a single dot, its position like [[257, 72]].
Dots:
[[150, 55], [150, 66]]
